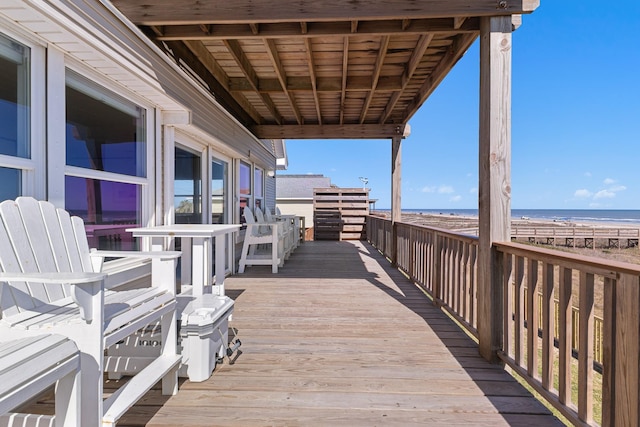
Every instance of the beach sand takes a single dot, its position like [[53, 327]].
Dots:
[[469, 225]]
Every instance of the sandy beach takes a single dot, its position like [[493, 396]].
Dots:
[[469, 225]]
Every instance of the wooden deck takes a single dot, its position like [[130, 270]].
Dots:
[[338, 337]]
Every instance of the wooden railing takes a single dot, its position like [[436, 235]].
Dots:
[[442, 262], [539, 347]]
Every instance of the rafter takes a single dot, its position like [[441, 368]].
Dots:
[[245, 65], [345, 70], [272, 50], [377, 68], [347, 131], [316, 29], [312, 74], [412, 65]]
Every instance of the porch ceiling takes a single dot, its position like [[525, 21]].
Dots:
[[318, 68]]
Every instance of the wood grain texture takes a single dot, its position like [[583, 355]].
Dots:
[[494, 203], [302, 69], [338, 337]]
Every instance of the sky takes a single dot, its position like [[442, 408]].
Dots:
[[575, 122]]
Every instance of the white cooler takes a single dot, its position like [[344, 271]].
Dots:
[[204, 337], [204, 330]]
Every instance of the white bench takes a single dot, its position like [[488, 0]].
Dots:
[[50, 281], [28, 367]]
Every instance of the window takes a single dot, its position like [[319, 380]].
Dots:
[[15, 115], [187, 187], [258, 185], [245, 188], [106, 162], [219, 176], [11, 183], [104, 132]]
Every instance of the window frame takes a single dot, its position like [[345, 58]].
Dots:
[[100, 84], [31, 168], [187, 143]]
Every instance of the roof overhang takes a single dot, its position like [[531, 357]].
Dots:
[[300, 69]]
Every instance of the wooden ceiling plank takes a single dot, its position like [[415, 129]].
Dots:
[[416, 56], [328, 131], [454, 53], [312, 74], [316, 29], [161, 12], [345, 70], [245, 65], [384, 45], [272, 50]]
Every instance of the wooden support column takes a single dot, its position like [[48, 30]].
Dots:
[[494, 204], [396, 179]]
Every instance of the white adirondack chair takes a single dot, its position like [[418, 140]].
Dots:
[[29, 366], [286, 232], [50, 282], [282, 231], [261, 234]]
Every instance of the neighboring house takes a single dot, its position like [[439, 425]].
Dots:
[[294, 194]]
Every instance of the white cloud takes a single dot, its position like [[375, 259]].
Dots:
[[446, 189], [609, 181], [604, 194], [428, 189], [617, 188], [582, 193], [473, 190], [455, 198], [588, 174]]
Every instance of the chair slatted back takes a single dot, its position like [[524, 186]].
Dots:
[[37, 237], [263, 229], [249, 218]]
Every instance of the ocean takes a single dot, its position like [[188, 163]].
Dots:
[[629, 217]]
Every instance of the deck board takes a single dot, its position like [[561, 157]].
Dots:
[[340, 338]]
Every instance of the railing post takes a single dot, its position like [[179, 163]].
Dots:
[[436, 271], [621, 378], [396, 205]]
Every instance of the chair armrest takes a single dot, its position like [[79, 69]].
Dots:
[[87, 289], [136, 254], [53, 278]]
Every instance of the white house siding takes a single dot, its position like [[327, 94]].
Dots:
[[92, 36]]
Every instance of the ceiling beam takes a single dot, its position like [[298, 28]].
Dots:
[[382, 53], [348, 131], [316, 29], [312, 74], [453, 55], [161, 12], [412, 65], [245, 65], [272, 50]]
